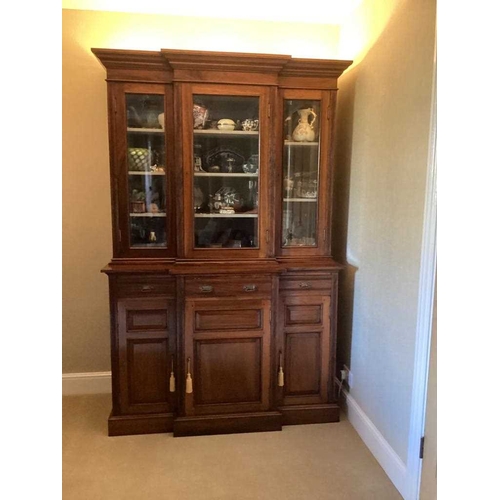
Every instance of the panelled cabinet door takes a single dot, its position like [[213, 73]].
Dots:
[[142, 173], [227, 349], [226, 140], [304, 358], [305, 176], [146, 343]]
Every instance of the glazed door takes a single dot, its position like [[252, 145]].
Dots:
[[305, 177], [226, 155], [227, 356], [142, 174], [146, 347], [305, 348]]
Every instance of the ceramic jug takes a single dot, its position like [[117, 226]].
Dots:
[[304, 131]]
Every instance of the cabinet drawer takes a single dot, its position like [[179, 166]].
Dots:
[[128, 286], [304, 283], [229, 286]]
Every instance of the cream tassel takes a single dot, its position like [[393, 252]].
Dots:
[[281, 375], [281, 378], [172, 378], [189, 380]]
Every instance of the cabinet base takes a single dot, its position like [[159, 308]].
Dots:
[[310, 414], [127, 425], [228, 424]]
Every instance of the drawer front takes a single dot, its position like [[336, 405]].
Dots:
[[229, 286], [301, 283], [148, 286]]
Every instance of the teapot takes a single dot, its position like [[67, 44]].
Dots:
[[304, 131]]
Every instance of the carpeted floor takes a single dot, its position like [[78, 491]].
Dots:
[[307, 462]]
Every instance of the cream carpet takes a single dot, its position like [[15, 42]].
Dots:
[[316, 462]]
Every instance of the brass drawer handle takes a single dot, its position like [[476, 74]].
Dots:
[[304, 284], [148, 288], [250, 288], [206, 288]]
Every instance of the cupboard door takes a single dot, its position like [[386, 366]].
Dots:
[[304, 325], [146, 343], [226, 155], [142, 173], [227, 349], [306, 172]]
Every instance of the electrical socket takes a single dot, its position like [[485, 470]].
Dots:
[[343, 375]]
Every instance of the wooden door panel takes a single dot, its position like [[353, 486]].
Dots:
[[303, 364], [304, 330], [228, 371], [145, 320], [296, 314], [236, 319], [147, 367], [228, 344], [146, 342]]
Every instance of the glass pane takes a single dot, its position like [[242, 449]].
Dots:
[[226, 171], [302, 119], [146, 170]]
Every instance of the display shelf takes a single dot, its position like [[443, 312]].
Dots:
[[148, 214], [133, 172], [133, 130], [227, 216], [301, 200], [223, 174], [233, 133], [149, 245], [295, 143]]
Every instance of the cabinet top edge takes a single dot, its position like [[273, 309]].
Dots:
[[170, 60]]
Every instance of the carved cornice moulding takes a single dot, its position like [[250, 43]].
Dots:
[[183, 65]]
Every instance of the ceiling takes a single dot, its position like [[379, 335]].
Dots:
[[313, 12]]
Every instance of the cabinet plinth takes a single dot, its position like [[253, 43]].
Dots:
[[223, 292]]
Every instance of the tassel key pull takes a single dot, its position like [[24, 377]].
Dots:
[[189, 380], [172, 377], [281, 374]]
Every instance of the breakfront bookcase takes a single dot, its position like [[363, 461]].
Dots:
[[223, 292]]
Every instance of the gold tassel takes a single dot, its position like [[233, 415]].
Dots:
[[281, 375], [189, 380], [172, 378], [281, 378]]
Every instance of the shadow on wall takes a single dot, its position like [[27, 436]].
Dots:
[[341, 189]]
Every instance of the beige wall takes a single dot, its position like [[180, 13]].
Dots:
[[86, 198], [383, 134]]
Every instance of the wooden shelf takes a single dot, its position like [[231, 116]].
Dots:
[[145, 130], [133, 172], [233, 133], [301, 200], [148, 214], [294, 143], [223, 174], [227, 216]]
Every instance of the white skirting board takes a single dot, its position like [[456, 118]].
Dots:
[[385, 455], [74, 384]]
